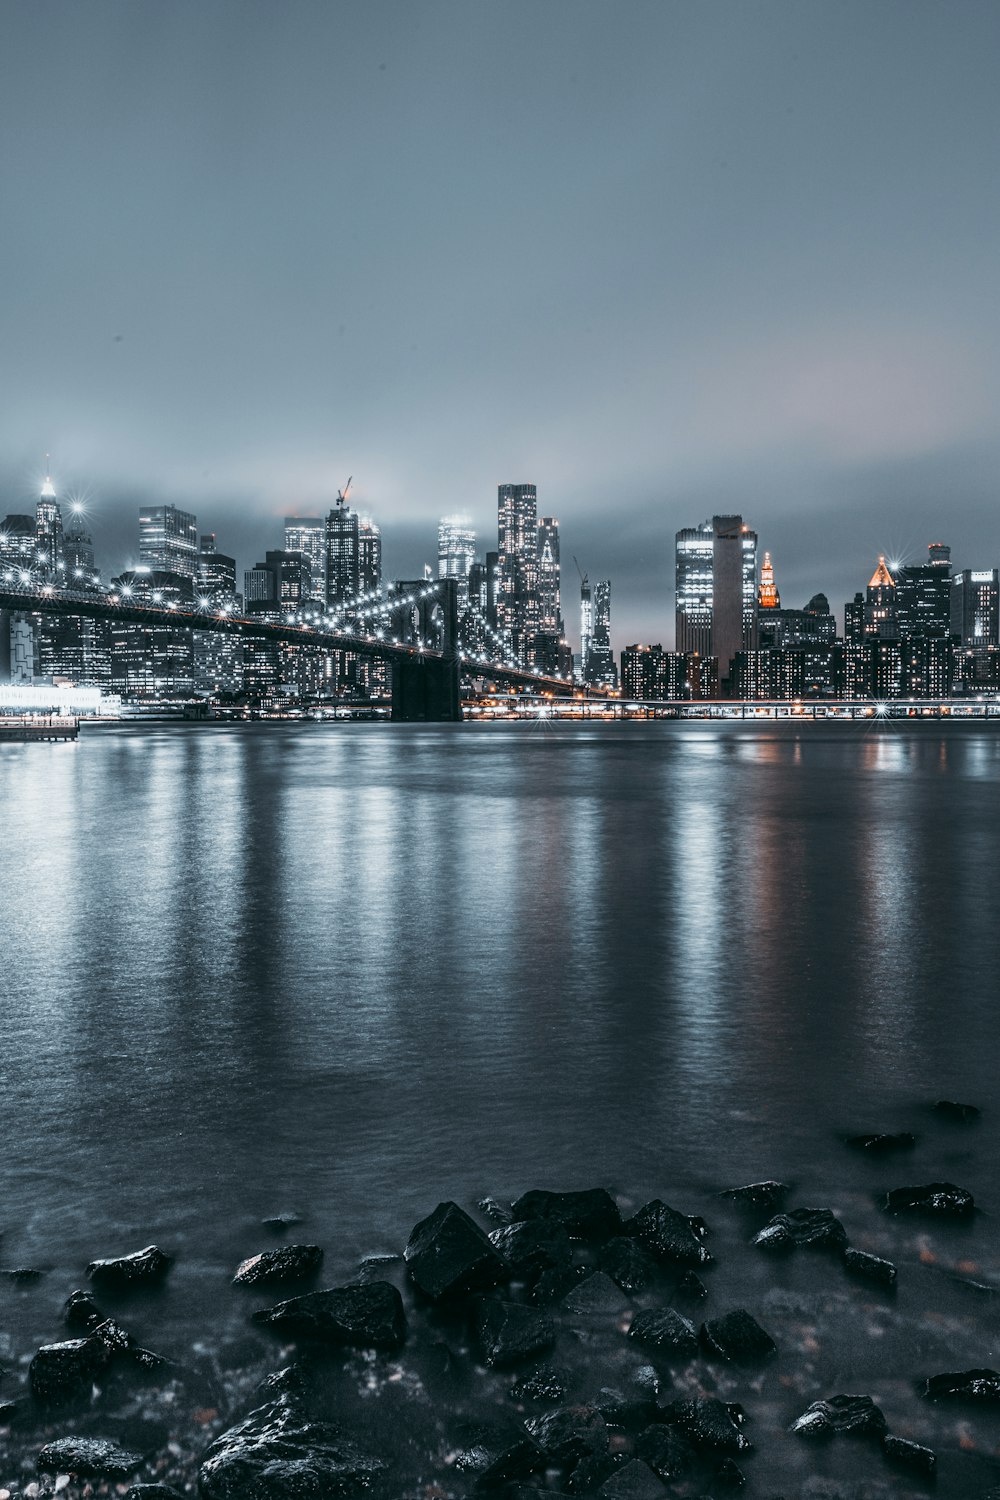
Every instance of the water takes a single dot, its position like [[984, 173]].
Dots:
[[355, 969]]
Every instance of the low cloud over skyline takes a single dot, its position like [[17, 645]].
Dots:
[[661, 260]]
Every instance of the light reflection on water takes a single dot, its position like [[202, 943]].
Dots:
[[365, 967]]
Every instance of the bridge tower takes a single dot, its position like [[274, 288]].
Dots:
[[428, 690]]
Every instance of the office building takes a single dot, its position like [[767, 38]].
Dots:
[[168, 541], [50, 559], [881, 621], [517, 599], [343, 557], [307, 536], [694, 554], [152, 661], [716, 589], [923, 597], [457, 554], [18, 548], [975, 607]]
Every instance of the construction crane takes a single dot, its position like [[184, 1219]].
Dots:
[[343, 494], [583, 576]]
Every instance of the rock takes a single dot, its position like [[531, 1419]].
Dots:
[[23, 1275], [627, 1263], [543, 1384], [569, 1433], [691, 1287], [497, 1454], [277, 1454], [664, 1330], [81, 1311], [818, 1228], [556, 1283], [738, 1337], [965, 1385], [708, 1422], [60, 1371], [730, 1475], [758, 1194], [142, 1268], [942, 1199], [532, 1246], [509, 1332], [870, 1267], [271, 1267], [152, 1492], [363, 1315], [597, 1293], [589, 1215], [278, 1223], [87, 1458], [877, 1145], [628, 1413], [448, 1254], [857, 1415], [961, 1114], [667, 1235], [632, 1481], [591, 1472], [666, 1450], [492, 1208], [909, 1455]]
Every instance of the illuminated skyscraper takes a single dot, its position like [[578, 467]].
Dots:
[[307, 535], [549, 580], [923, 597], [586, 625], [168, 541], [50, 560], [768, 596], [517, 601], [695, 547], [975, 607], [456, 554], [343, 555], [369, 556], [881, 622]]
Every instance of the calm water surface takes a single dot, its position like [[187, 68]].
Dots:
[[352, 970]]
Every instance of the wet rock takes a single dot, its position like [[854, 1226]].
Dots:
[[666, 1331], [628, 1412], [708, 1423], [627, 1263], [497, 1454], [758, 1194], [909, 1455], [492, 1208], [23, 1275], [509, 1332], [964, 1385], [879, 1145], [570, 1433], [667, 1235], [855, 1415], [87, 1458], [589, 1215], [817, 1228], [142, 1268], [447, 1254], [691, 1287], [870, 1267], [81, 1311], [597, 1293], [279, 1223], [60, 1371], [544, 1384], [152, 1492], [666, 1450], [942, 1199], [737, 1336], [556, 1283], [961, 1114], [591, 1472], [532, 1246], [271, 1267], [633, 1481], [277, 1454], [730, 1475], [363, 1315]]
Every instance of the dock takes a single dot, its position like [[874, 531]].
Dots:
[[38, 727]]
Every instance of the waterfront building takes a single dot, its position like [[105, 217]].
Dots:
[[854, 620], [694, 549], [81, 570], [17, 548], [168, 541], [517, 561], [152, 661], [768, 675], [716, 589], [881, 620], [788, 628], [599, 663], [650, 674], [457, 554], [975, 607], [923, 596], [307, 536]]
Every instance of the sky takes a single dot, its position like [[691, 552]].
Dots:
[[661, 259]]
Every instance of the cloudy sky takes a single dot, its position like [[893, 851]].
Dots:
[[661, 259]]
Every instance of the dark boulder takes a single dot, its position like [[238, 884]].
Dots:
[[708, 1423], [961, 1114], [497, 1454], [277, 1454], [879, 1145], [589, 1474], [532, 1246], [909, 1455], [556, 1283], [272, 1267], [964, 1385], [569, 1433], [279, 1223], [448, 1254], [23, 1275], [666, 1450], [544, 1384], [730, 1475], [595, 1294], [87, 1458], [630, 1411], [509, 1332], [142, 1268], [58, 1372], [667, 1235], [665, 1331], [81, 1311], [589, 1215], [763, 1195], [493, 1208], [627, 1263], [152, 1492], [940, 1199], [857, 1416], [632, 1481], [870, 1267], [738, 1337], [817, 1228], [363, 1315], [691, 1287]]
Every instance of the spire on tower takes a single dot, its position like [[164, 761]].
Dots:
[[48, 489], [882, 578], [767, 595]]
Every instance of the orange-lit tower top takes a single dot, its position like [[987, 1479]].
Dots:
[[882, 578], [767, 595]]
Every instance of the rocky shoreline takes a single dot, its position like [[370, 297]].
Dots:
[[565, 1342]]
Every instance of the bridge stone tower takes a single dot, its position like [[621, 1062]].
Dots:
[[427, 689]]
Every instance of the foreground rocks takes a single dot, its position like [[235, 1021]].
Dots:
[[365, 1315], [142, 1268], [278, 1454]]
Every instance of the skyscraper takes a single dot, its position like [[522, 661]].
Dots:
[[693, 589], [549, 580], [881, 622], [975, 607], [369, 556], [923, 596], [517, 602], [586, 625], [716, 590], [343, 556], [307, 535], [81, 570], [456, 554], [601, 664], [768, 596], [168, 541], [50, 561]]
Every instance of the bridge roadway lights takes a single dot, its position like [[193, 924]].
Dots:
[[426, 690]]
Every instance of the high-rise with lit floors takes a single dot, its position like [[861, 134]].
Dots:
[[600, 667], [168, 541], [307, 535], [456, 554], [517, 598], [343, 557], [716, 590], [50, 560], [694, 553]]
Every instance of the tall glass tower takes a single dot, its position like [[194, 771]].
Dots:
[[457, 553], [517, 597]]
